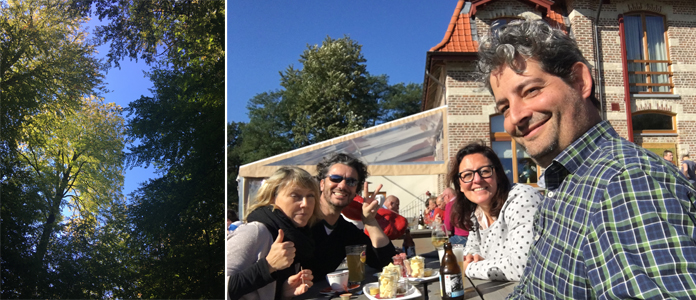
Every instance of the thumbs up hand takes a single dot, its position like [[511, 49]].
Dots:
[[281, 254]]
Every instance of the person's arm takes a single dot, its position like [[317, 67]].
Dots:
[[519, 217], [640, 238], [250, 279], [247, 272], [370, 206], [376, 257], [473, 243], [380, 257], [685, 170]]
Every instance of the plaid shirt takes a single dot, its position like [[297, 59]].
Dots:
[[617, 221]]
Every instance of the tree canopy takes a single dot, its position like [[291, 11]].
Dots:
[[73, 161], [50, 156], [66, 151], [46, 64], [332, 94], [177, 218]]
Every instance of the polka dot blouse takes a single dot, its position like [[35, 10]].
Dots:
[[505, 243]]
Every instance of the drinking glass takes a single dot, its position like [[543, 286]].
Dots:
[[458, 250], [438, 238], [355, 257]]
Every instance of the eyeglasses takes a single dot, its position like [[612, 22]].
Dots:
[[350, 181], [468, 176]]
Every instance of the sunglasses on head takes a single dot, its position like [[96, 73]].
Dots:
[[338, 178]]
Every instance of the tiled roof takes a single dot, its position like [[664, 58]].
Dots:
[[460, 35]]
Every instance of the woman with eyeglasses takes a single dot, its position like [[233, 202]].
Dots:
[[499, 217], [268, 255]]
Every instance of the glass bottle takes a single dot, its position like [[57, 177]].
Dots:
[[451, 281]]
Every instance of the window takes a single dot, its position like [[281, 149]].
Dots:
[[653, 122], [646, 54], [518, 166]]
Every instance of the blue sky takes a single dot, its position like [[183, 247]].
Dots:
[[265, 37], [125, 85]]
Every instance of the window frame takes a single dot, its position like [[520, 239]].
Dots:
[[656, 131], [505, 137], [646, 70]]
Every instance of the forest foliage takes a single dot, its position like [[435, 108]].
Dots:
[[64, 149]]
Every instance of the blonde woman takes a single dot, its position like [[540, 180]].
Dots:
[[266, 254]]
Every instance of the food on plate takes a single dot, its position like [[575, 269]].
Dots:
[[417, 267], [388, 285]]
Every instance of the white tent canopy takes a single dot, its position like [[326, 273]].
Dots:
[[409, 146]]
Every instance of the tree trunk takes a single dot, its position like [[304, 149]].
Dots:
[[42, 247]]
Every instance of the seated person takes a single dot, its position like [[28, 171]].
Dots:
[[433, 212], [232, 220], [499, 219], [458, 235], [274, 243], [409, 247]]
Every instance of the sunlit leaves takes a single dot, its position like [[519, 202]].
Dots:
[[46, 63], [177, 218]]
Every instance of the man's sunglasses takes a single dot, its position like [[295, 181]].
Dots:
[[350, 181]]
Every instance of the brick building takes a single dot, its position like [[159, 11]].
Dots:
[[645, 51]]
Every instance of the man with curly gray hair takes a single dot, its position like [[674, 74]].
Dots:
[[617, 221]]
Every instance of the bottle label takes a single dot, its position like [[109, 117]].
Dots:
[[454, 287]]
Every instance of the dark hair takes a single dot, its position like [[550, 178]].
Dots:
[[344, 159], [665, 152], [463, 209], [232, 215], [555, 51]]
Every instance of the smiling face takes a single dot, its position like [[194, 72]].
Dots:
[[542, 112], [297, 203], [480, 190], [338, 195]]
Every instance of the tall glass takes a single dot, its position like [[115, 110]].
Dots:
[[438, 237], [355, 257], [458, 250]]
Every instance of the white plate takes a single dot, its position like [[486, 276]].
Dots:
[[436, 273], [412, 292]]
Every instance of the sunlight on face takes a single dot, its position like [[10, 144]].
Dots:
[[480, 190], [297, 203]]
